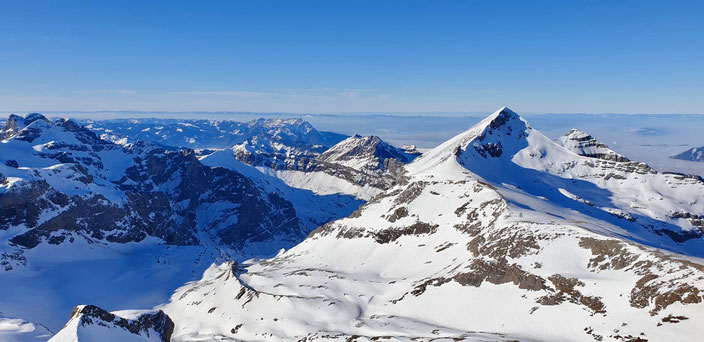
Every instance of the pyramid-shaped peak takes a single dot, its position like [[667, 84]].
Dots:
[[502, 117], [505, 111], [364, 148]]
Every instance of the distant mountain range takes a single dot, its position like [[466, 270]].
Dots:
[[497, 234], [216, 134]]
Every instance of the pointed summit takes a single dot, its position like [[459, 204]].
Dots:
[[506, 112], [502, 117], [501, 133]]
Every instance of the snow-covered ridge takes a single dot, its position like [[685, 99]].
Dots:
[[498, 225]]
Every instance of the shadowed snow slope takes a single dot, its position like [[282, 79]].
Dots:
[[497, 234]]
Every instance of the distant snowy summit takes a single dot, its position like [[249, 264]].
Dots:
[[368, 154], [693, 154]]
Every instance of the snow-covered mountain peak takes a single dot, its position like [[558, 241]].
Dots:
[[287, 133], [368, 154], [503, 116], [503, 150], [500, 134], [584, 144], [19, 122], [15, 123]]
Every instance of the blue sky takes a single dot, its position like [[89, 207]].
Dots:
[[354, 56]]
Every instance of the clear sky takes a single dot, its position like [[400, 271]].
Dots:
[[353, 56]]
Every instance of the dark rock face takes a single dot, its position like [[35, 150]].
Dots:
[[506, 126], [145, 324], [24, 205], [566, 290]]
